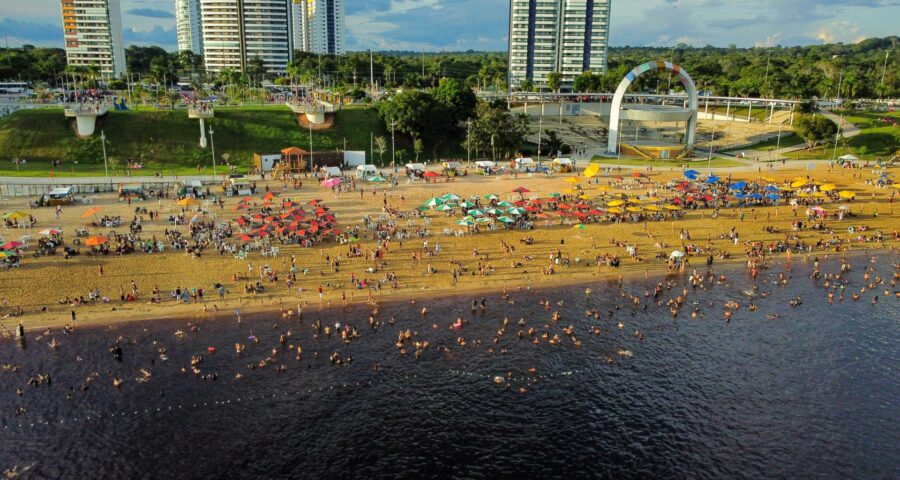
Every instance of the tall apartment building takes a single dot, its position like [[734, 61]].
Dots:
[[319, 26], [93, 35], [564, 36], [187, 26], [237, 31]]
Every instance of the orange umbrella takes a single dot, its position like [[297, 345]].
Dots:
[[91, 211], [95, 241], [187, 202]]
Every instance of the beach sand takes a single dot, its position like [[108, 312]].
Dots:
[[41, 282]]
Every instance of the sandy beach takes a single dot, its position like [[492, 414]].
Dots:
[[41, 285]]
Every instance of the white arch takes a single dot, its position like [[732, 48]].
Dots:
[[686, 81]]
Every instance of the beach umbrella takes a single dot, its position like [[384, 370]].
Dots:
[[846, 194], [516, 211], [579, 226], [476, 213], [652, 208], [466, 204], [187, 202], [11, 245], [572, 180], [268, 196], [615, 203], [50, 231], [677, 254], [712, 179], [466, 222], [592, 170], [771, 188], [96, 240], [615, 210], [431, 174], [819, 195], [314, 202], [739, 186], [828, 187], [691, 172], [633, 209], [483, 220], [521, 190], [506, 219], [331, 182], [434, 202], [691, 175], [493, 211], [445, 208], [377, 179], [91, 211], [15, 216], [798, 183], [491, 196], [594, 211], [504, 204], [673, 208], [450, 197]]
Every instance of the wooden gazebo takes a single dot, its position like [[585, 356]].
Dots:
[[293, 160]]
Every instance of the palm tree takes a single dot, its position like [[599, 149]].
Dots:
[[381, 146]]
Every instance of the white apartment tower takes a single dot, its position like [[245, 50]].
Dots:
[[564, 36], [93, 35], [237, 31], [319, 26], [187, 26]]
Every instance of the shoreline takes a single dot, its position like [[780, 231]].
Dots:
[[186, 312]]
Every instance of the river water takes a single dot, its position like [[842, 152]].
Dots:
[[811, 393]]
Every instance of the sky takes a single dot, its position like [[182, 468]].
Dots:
[[455, 25]]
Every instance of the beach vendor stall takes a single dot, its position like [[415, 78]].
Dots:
[[525, 164], [563, 165], [366, 171], [485, 167], [131, 191], [415, 169], [60, 196]]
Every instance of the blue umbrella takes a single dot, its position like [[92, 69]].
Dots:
[[756, 196], [740, 196], [772, 188], [691, 172], [738, 185], [772, 196], [712, 179], [690, 176]]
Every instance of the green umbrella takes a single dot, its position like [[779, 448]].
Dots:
[[516, 211], [493, 211], [555, 195], [504, 204], [422, 208], [377, 179], [450, 197], [466, 222], [445, 208], [434, 202], [466, 204], [483, 220], [476, 213], [491, 197], [507, 219]]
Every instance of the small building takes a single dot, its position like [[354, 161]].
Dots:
[[238, 186], [134, 190], [192, 188], [366, 171], [60, 196], [266, 162]]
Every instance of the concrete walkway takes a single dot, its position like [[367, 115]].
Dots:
[[117, 179]]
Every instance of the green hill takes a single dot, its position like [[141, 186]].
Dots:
[[167, 140]]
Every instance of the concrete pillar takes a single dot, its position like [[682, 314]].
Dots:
[[772, 113], [749, 111], [85, 124], [792, 114], [727, 110], [202, 133], [706, 107]]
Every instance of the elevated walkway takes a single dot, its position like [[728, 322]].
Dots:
[[314, 111], [202, 113], [85, 116]]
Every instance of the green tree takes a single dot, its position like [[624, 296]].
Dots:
[[418, 147], [554, 81], [381, 147], [815, 129]]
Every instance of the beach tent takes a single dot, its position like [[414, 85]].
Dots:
[[524, 163], [366, 171], [330, 172], [415, 167], [849, 158]]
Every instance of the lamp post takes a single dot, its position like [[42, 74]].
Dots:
[[393, 146], [468, 135], [540, 134], [493, 150], [310, 147], [711, 143], [837, 137], [105, 162], [212, 145]]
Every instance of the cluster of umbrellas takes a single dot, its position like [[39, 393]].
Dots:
[[294, 221]]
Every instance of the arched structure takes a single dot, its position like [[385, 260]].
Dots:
[[689, 88]]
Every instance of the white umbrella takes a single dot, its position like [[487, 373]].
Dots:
[[677, 254]]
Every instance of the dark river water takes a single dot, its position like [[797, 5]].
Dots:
[[811, 393]]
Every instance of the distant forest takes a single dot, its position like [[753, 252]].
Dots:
[[868, 69]]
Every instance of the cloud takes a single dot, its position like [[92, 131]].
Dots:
[[150, 13], [159, 36], [41, 34]]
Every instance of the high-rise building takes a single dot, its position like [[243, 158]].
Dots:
[[236, 32], [93, 35], [187, 26], [564, 36], [326, 30], [319, 26]]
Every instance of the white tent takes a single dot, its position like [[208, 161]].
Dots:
[[563, 161], [485, 164], [416, 166], [366, 171], [849, 158], [453, 165], [331, 172]]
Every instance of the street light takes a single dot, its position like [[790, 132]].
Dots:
[[468, 148], [711, 143], [212, 145], [393, 147], [105, 162], [310, 146]]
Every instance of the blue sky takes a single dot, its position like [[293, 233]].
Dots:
[[482, 24]]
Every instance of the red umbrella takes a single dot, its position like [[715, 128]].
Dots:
[[301, 232], [315, 201], [531, 209], [637, 175], [521, 190], [594, 211], [520, 203], [564, 206], [11, 245], [246, 238], [431, 174]]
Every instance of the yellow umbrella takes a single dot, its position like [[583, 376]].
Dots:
[[16, 215], [798, 183], [592, 170], [828, 187], [673, 207], [634, 209], [187, 202], [802, 195], [584, 197], [603, 188], [846, 194], [615, 210], [652, 208], [819, 195], [572, 180], [615, 203], [769, 179], [571, 191]]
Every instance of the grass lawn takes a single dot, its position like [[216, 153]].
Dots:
[[168, 141], [787, 140], [642, 162]]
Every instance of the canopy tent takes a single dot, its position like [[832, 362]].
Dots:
[[848, 157]]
